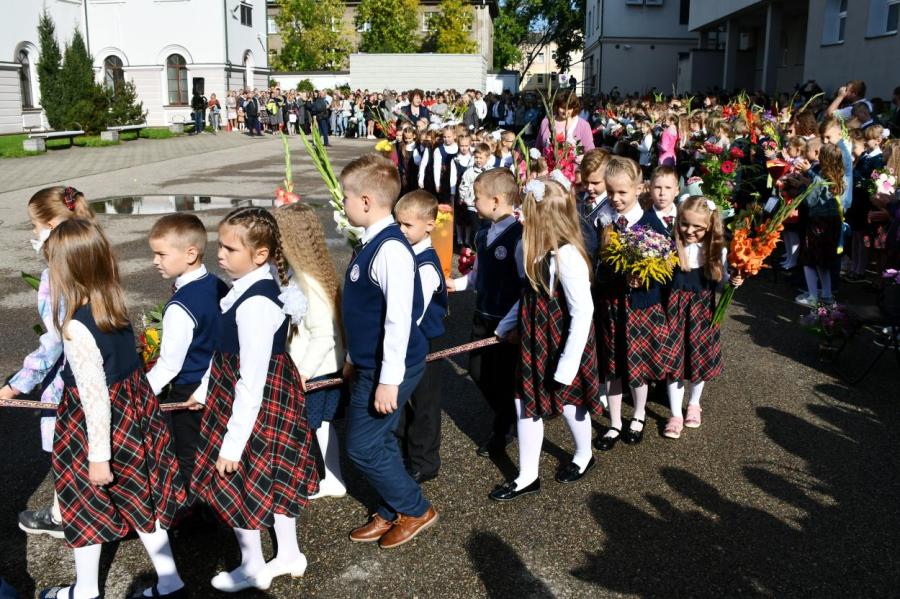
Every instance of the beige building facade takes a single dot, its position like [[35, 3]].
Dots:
[[544, 72]]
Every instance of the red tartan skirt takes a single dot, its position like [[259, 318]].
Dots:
[[700, 351], [276, 473], [544, 327], [636, 344], [146, 485]]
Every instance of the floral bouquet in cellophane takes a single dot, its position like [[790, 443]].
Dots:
[[642, 253], [719, 170], [150, 338]]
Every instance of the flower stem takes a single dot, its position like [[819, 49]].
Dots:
[[722, 306]]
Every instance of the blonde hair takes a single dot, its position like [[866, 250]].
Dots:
[[873, 132], [498, 182], [713, 241], [186, 231], [550, 222], [59, 202], [619, 166], [420, 202], [593, 161], [892, 155], [831, 162], [259, 229], [376, 175], [83, 270]]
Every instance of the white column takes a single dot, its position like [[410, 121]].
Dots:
[[732, 39], [772, 47]]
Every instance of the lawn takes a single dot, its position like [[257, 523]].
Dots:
[[11, 145]]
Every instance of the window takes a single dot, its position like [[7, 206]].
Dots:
[[893, 16], [540, 79], [113, 74], [176, 71], [590, 20], [271, 24], [883, 17], [364, 27], [25, 78], [539, 57], [684, 12], [246, 15], [426, 21], [644, 2], [834, 21]]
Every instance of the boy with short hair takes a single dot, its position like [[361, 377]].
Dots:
[[591, 200], [663, 191], [497, 278], [191, 325], [385, 361], [420, 424]]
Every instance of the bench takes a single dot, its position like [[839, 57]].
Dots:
[[37, 142], [112, 133]]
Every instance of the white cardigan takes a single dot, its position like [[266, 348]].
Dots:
[[317, 348]]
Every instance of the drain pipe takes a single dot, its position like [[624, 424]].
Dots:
[[227, 56], [87, 33]]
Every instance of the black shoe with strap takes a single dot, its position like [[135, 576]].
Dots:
[[40, 522], [571, 472], [607, 442], [633, 437], [508, 491]]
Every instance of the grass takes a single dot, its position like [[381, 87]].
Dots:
[[11, 145]]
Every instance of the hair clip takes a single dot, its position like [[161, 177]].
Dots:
[[69, 194], [534, 153], [558, 176], [536, 188], [711, 205]]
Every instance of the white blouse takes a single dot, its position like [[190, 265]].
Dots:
[[84, 358], [574, 276], [317, 348]]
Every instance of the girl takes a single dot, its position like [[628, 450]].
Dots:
[[405, 147], [867, 150], [113, 463], [503, 155], [422, 158], [645, 148], [253, 466], [317, 345], [700, 239], [47, 209], [668, 142], [558, 353], [636, 343]]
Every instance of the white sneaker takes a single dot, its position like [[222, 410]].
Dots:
[[274, 569], [235, 582], [328, 487], [804, 299]]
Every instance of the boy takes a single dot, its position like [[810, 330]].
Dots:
[[497, 277], [663, 190], [420, 424], [593, 181], [191, 323], [460, 165], [481, 158], [385, 350], [443, 160]]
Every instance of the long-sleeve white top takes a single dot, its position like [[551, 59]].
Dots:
[[573, 273], [439, 162], [460, 163], [423, 155], [429, 277], [84, 358], [317, 347], [467, 185], [645, 148], [178, 327]]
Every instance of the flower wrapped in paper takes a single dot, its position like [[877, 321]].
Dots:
[[641, 253], [442, 238], [150, 338]]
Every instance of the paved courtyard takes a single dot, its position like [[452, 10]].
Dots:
[[790, 488]]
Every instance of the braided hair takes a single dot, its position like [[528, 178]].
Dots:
[[260, 231]]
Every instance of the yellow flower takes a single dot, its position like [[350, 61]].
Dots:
[[384, 146]]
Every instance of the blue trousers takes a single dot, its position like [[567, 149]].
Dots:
[[372, 446], [323, 130]]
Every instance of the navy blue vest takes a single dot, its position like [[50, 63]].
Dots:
[[446, 160], [200, 299], [120, 357], [497, 283], [432, 324], [364, 307], [658, 223], [229, 342]]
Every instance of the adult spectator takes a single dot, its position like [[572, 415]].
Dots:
[[416, 110], [215, 110], [439, 107], [481, 108], [566, 122], [320, 113], [847, 96], [470, 116], [198, 105], [894, 120], [231, 110], [251, 113]]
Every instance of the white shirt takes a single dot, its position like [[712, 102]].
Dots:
[[467, 185], [317, 347], [480, 109], [178, 326], [84, 358], [438, 162], [424, 154], [672, 212], [596, 202], [609, 216], [508, 322], [846, 112], [574, 276], [258, 319], [645, 147], [429, 277], [461, 162]]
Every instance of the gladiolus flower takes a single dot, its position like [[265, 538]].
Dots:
[[728, 167]]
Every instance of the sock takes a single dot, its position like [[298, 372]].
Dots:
[[87, 572], [55, 512], [531, 437], [696, 392], [614, 396], [791, 245], [812, 282], [160, 551], [326, 435], [825, 277], [676, 397], [252, 560], [286, 535], [639, 394], [580, 427]]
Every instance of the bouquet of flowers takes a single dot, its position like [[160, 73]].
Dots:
[[35, 283], [285, 195], [642, 253], [466, 261], [718, 171], [442, 237], [561, 155], [150, 338], [831, 322], [884, 181]]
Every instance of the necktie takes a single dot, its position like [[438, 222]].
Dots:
[[669, 220], [622, 223], [174, 288]]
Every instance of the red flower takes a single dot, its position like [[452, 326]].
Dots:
[[560, 137], [736, 152], [727, 167], [712, 148]]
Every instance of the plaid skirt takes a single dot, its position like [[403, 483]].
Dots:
[[276, 473], [544, 328], [146, 485], [636, 344], [700, 352]]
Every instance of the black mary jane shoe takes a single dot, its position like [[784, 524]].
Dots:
[[633, 437], [508, 491], [155, 594], [606, 443], [571, 473], [53, 592]]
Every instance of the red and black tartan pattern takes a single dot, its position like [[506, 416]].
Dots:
[[544, 327], [610, 317], [276, 473], [651, 345], [146, 485], [697, 339]]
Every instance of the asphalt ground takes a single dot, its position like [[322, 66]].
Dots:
[[789, 489]]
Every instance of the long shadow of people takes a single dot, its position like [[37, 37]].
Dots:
[[501, 569]]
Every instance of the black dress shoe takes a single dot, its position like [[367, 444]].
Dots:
[[571, 472], [420, 477], [154, 594], [508, 491], [494, 446], [633, 437], [605, 443], [53, 593]]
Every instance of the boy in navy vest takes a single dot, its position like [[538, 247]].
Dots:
[[497, 277], [191, 326], [420, 425], [386, 350]]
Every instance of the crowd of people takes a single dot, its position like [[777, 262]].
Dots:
[[565, 332]]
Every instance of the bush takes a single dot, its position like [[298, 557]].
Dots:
[[124, 108], [273, 83], [305, 85]]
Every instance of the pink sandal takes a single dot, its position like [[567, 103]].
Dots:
[[673, 429], [693, 419]]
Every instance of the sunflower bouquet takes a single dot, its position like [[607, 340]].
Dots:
[[642, 253], [150, 339]]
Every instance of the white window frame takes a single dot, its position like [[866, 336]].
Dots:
[[879, 10], [364, 27], [833, 16], [271, 24], [426, 21]]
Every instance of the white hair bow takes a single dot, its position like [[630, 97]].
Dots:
[[534, 153], [711, 205], [536, 188], [559, 177]]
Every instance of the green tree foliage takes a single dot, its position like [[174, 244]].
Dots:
[[451, 28], [305, 85], [524, 28], [392, 26], [310, 41], [85, 103], [48, 70], [124, 107]]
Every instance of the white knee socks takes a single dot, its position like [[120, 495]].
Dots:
[[160, 551], [676, 397], [580, 427], [87, 572], [639, 394], [252, 560], [326, 435], [614, 396], [286, 535], [696, 392], [531, 437]]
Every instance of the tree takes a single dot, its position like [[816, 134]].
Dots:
[[389, 26], [48, 70], [124, 108], [84, 103], [451, 28], [524, 28], [313, 35]]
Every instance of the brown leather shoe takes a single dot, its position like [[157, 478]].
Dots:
[[405, 528], [372, 530]]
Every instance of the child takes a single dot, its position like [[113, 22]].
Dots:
[[385, 351], [463, 161], [423, 154], [867, 146], [593, 181], [663, 190], [497, 278], [636, 343], [668, 142], [240, 118], [405, 149], [557, 372], [47, 209], [443, 161], [700, 239], [192, 325], [538, 168], [317, 346], [420, 424], [481, 161], [113, 464], [503, 155], [253, 465], [645, 148]]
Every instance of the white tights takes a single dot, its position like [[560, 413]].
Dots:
[[531, 437], [250, 542], [676, 396], [326, 435], [614, 394]]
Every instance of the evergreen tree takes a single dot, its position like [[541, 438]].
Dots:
[[48, 70], [310, 42], [452, 28], [392, 26], [85, 103], [124, 107]]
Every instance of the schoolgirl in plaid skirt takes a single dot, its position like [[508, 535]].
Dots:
[[557, 366], [699, 236], [253, 465], [113, 462]]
